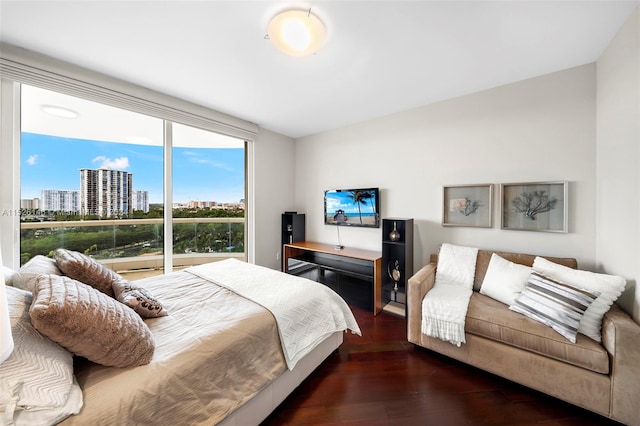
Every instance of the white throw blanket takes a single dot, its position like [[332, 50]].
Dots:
[[306, 312], [444, 307]]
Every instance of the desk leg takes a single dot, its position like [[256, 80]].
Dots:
[[377, 286]]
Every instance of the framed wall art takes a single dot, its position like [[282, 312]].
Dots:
[[467, 205], [535, 206]]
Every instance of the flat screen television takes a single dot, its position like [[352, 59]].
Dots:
[[352, 207]]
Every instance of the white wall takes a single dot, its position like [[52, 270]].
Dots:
[[542, 129], [618, 161], [273, 181]]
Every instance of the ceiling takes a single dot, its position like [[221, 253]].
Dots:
[[381, 57]]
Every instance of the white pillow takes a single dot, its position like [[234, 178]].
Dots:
[[504, 280], [610, 287], [38, 374], [8, 275], [25, 277], [456, 265]]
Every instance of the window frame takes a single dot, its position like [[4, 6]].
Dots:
[[19, 66]]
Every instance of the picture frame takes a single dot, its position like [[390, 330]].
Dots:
[[535, 206], [467, 205]]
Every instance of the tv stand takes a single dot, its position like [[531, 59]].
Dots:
[[355, 274]]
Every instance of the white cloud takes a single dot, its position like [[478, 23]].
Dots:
[[107, 163], [32, 159], [195, 157]]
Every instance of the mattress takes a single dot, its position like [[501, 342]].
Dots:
[[214, 352], [229, 327]]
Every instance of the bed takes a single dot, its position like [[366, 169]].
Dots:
[[238, 338]]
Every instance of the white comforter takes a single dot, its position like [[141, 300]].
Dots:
[[306, 312], [214, 351]]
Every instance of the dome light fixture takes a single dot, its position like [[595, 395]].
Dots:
[[297, 32]]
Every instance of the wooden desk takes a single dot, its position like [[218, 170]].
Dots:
[[305, 247]]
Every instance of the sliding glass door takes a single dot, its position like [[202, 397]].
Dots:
[[92, 179], [208, 184]]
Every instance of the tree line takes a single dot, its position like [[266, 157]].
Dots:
[[124, 240]]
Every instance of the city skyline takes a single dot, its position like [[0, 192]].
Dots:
[[54, 163]]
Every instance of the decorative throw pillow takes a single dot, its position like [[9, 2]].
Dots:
[[25, 277], [560, 306], [89, 323], [89, 271], [456, 265], [86, 270], [609, 288], [138, 299], [38, 375], [504, 279]]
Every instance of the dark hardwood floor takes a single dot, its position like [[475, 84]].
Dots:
[[382, 379]]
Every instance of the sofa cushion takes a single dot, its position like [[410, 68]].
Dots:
[[484, 257], [491, 319]]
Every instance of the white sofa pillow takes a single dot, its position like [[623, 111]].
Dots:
[[504, 280], [610, 287]]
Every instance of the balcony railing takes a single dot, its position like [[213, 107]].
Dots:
[[134, 247]]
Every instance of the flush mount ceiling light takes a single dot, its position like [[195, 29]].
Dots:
[[296, 32], [59, 111]]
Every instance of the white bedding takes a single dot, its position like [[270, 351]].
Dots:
[[318, 313], [214, 351]]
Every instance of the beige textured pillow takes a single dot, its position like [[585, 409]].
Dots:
[[89, 323], [86, 270], [26, 276], [138, 299]]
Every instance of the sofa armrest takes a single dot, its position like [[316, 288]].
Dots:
[[620, 336], [417, 286]]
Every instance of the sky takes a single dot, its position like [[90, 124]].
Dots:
[[202, 174]]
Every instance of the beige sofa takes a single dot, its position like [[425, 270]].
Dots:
[[604, 378]]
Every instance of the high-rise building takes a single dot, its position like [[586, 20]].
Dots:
[[194, 204], [30, 203], [140, 200], [61, 200], [105, 192]]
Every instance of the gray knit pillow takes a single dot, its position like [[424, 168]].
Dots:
[[90, 323]]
